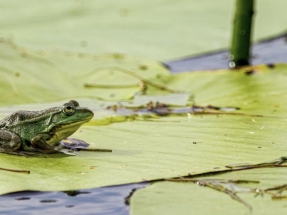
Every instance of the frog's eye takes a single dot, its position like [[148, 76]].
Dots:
[[68, 109]]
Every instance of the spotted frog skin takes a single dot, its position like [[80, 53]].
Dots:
[[41, 131]]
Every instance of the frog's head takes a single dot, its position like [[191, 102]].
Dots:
[[66, 121]]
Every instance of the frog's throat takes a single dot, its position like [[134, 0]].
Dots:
[[60, 132]]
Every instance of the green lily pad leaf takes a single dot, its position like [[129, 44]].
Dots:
[[151, 29], [61, 77], [191, 143], [145, 150], [265, 197]]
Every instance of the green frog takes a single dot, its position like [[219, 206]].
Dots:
[[25, 132]]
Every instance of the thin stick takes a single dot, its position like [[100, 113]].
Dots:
[[96, 150], [147, 82], [16, 170]]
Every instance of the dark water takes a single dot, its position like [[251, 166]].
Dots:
[[102, 201], [264, 52], [111, 200]]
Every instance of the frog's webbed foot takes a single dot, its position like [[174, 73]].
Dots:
[[74, 145], [70, 146]]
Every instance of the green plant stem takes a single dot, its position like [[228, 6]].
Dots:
[[240, 45]]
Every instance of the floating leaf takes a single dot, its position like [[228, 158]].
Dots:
[[151, 29], [185, 197], [60, 77], [191, 143], [169, 146]]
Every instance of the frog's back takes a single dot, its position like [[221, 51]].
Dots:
[[22, 117]]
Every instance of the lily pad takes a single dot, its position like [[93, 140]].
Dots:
[[158, 30], [161, 148], [185, 197], [26, 75]]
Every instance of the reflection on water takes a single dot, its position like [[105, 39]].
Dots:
[[106, 200]]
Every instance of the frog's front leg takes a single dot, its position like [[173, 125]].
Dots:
[[39, 143], [9, 141]]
